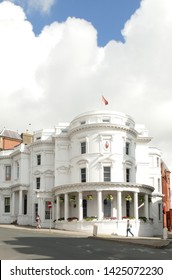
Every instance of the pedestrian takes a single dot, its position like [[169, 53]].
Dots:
[[129, 228], [38, 221]]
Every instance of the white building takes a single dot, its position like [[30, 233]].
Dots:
[[97, 171]]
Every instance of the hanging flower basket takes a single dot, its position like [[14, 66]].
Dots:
[[109, 197], [72, 198], [141, 199], [128, 198], [61, 199], [89, 197]]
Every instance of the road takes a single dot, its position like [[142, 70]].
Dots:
[[23, 244]]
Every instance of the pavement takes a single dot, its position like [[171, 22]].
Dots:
[[156, 242]]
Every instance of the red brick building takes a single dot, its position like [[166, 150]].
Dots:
[[167, 211], [9, 139]]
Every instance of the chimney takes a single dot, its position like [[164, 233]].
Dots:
[[27, 138]]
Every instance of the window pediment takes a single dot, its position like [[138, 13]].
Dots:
[[128, 163], [37, 172], [63, 169], [82, 162], [48, 172]]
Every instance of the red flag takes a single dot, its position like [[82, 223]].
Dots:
[[104, 101]]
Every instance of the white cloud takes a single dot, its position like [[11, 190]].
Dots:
[[62, 72], [43, 6]]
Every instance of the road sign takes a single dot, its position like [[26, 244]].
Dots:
[[49, 204]]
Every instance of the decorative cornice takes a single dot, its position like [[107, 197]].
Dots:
[[5, 189], [41, 142], [95, 186], [157, 195], [5, 157], [20, 151], [46, 172], [103, 126], [144, 139], [10, 156], [19, 186]]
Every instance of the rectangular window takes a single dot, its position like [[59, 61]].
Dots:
[[7, 205], [106, 120], [38, 159], [25, 205], [47, 211], [107, 174], [8, 172], [83, 175], [17, 169], [157, 162], [127, 175], [38, 183], [127, 148], [35, 209], [83, 147]]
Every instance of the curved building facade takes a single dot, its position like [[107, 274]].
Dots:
[[97, 171]]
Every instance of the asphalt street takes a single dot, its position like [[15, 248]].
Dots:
[[22, 244]]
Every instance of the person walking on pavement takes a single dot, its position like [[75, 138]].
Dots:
[[129, 228], [38, 221]]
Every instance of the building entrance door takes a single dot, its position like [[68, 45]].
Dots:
[[107, 208], [128, 208], [84, 208]]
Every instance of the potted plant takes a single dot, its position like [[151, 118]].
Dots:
[[72, 219], [144, 219], [61, 199], [110, 197], [72, 198], [89, 197], [128, 197]]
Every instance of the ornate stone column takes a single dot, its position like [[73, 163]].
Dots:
[[99, 205], [114, 208], [136, 213], [66, 206], [57, 215], [20, 201], [80, 206], [119, 205], [146, 206], [13, 204]]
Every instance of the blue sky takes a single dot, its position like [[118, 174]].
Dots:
[[107, 16], [58, 71]]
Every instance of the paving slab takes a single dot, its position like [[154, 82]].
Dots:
[[156, 242]]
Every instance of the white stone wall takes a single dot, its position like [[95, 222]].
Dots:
[[61, 161]]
